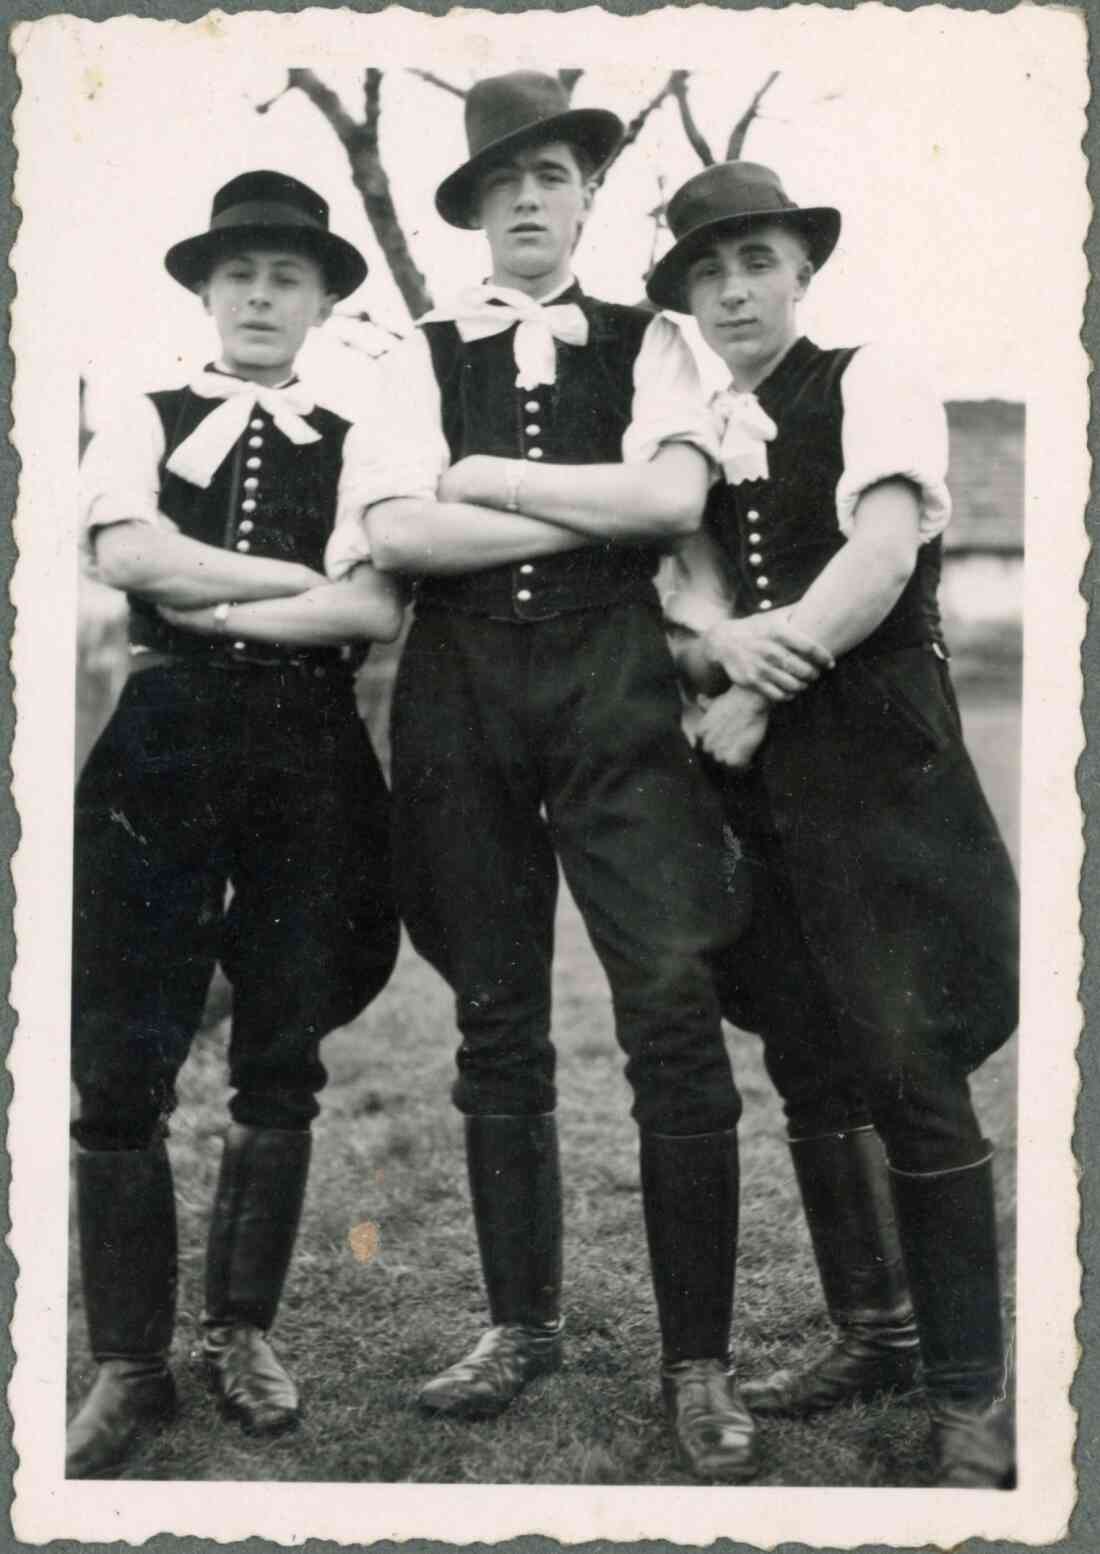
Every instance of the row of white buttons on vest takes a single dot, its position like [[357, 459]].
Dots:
[[532, 428], [250, 500], [756, 557]]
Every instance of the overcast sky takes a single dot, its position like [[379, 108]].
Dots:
[[949, 140]]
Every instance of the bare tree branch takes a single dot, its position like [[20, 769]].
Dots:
[[741, 128], [678, 86], [271, 101], [368, 174], [434, 80], [634, 129], [657, 216], [363, 317], [569, 79], [371, 179], [323, 98]]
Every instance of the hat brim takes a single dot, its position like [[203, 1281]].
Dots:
[[819, 226], [191, 261], [597, 130]]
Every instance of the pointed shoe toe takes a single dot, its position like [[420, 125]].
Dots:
[[714, 1431], [494, 1373], [249, 1380], [129, 1400]]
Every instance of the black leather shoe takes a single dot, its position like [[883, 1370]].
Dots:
[[852, 1369], [129, 1399], [251, 1385], [973, 1445], [495, 1371], [714, 1431]]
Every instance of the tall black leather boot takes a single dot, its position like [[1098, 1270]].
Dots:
[[127, 1215], [690, 1198], [948, 1230], [252, 1232], [515, 1186], [845, 1187]]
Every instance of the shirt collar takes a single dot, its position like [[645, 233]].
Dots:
[[222, 371], [557, 295]]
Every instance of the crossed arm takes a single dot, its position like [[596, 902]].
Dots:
[[269, 600], [771, 658], [561, 507]]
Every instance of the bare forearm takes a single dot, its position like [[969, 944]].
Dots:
[[168, 568], [365, 608], [418, 538], [864, 580], [660, 500], [627, 503]]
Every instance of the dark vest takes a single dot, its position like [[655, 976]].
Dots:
[[268, 497], [776, 535], [579, 419]]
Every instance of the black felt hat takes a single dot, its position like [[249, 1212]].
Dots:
[[265, 207], [727, 198], [505, 113]]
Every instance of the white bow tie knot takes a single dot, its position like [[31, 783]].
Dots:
[[482, 311], [746, 431], [198, 456]]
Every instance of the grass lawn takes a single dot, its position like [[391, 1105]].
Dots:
[[361, 1336]]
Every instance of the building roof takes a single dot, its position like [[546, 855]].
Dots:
[[986, 475]]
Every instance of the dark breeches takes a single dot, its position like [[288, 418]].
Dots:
[[257, 781], [519, 745], [880, 963]]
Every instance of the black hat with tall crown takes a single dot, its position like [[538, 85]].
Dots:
[[506, 113]]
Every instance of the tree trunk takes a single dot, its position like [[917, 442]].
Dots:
[[360, 141]]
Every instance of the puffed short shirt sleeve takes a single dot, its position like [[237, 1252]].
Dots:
[[669, 403], [395, 448], [894, 427], [404, 451], [120, 474], [348, 545]]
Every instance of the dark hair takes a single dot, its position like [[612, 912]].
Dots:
[[587, 165], [585, 161], [739, 227], [282, 241]]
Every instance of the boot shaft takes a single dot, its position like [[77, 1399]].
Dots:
[[257, 1207], [844, 1182], [515, 1187], [126, 1211], [949, 1234], [690, 1201]]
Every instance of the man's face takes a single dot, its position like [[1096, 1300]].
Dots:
[[743, 290], [532, 208], [264, 301]]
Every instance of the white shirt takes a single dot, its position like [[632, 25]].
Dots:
[[400, 450], [894, 426], [120, 482]]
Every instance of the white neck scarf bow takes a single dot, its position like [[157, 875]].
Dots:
[[198, 456], [481, 311], [745, 431]]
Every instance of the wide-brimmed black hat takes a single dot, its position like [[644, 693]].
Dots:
[[265, 207], [504, 113], [729, 197]]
